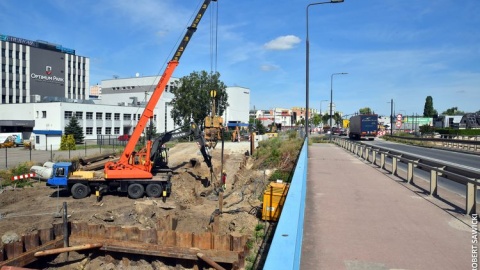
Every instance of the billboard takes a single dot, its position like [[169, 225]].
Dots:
[[47, 73]]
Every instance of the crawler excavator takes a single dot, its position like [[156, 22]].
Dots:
[[135, 172]]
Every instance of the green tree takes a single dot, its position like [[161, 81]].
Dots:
[[428, 110], [192, 101], [151, 130], [316, 119], [336, 120], [74, 129], [453, 111], [67, 142], [365, 110]]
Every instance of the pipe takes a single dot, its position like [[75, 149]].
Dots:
[[210, 261], [67, 249]]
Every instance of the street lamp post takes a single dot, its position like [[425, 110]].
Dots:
[[321, 122], [331, 100], [391, 117], [307, 71]]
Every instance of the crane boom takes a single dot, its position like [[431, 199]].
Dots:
[[138, 165]]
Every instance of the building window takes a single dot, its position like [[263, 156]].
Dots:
[[108, 130], [127, 117], [24, 70], [3, 67], [117, 116], [24, 56], [3, 52], [134, 116], [89, 115], [10, 68], [116, 130], [89, 130], [99, 130], [99, 116], [108, 116], [44, 114], [17, 55], [154, 117], [79, 115], [68, 114]]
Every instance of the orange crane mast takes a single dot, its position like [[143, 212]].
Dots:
[[137, 165]]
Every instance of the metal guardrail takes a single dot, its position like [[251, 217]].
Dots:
[[472, 144], [469, 178]]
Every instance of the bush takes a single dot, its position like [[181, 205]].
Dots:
[[6, 175], [68, 142]]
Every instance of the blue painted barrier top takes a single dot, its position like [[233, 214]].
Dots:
[[286, 247]]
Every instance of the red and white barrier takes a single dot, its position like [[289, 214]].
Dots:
[[23, 176]]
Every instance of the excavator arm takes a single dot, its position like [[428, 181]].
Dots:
[[136, 165], [159, 152]]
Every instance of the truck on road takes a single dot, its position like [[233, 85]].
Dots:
[[363, 126]]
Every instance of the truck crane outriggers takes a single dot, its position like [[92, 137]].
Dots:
[[125, 168]]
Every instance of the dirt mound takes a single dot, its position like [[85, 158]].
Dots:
[[191, 206]]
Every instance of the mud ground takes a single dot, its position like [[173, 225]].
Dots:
[[192, 202]]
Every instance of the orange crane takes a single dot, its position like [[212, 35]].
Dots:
[[138, 165]]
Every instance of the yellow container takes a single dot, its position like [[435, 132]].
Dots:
[[273, 200], [84, 174]]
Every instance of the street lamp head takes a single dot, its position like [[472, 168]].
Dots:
[[336, 1]]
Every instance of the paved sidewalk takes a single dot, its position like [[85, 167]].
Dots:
[[359, 217]]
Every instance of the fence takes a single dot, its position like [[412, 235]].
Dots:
[[436, 168], [11, 157]]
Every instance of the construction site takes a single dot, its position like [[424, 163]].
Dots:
[[157, 203], [117, 232]]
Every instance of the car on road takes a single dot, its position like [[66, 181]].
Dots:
[[343, 132]]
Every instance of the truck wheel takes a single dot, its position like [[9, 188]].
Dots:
[[79, 191], [135, 191], [154, 190]]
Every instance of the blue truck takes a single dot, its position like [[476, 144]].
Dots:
[[363, 126]]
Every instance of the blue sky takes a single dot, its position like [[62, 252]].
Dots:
[[403, 50]]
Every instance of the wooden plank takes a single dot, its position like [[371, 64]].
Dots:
[[14, 249], [148, 236], [46, 235], [57, 230], [96, 230], [203, 240], [221, 256], [31, 241], [184, 239], [131, 233], [221, 242], [28, 257], [166, 238]]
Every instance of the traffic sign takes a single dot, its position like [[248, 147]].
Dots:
[[399, 117]]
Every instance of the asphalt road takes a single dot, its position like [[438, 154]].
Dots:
[[468, 161]]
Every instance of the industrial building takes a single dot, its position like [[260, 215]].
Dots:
[[44, 85]]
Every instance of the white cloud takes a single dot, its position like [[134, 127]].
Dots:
[[268, 67], [282, 43]]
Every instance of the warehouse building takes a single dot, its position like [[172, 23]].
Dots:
[[44, 85]]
